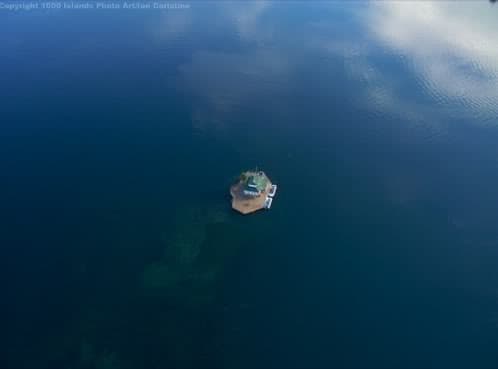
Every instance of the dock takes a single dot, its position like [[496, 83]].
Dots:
[[254, 191]]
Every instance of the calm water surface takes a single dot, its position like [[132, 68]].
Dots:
[[121, 131]]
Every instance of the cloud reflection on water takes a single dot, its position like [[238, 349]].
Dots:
[[246, 17], [446, 49], [450, 47], [228, 78]]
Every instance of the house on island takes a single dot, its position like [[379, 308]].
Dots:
[[256, 184], [253, 191]]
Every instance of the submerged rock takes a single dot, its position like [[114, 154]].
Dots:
[[191, 266], [91, 359], [160, 275]]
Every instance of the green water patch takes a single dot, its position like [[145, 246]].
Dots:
[[197, 247], [91, 358]]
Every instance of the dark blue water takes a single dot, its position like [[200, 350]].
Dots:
[[121, 131]]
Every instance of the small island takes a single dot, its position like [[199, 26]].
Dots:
[[253, 191]]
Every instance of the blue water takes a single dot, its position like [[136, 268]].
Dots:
[[122, 130]]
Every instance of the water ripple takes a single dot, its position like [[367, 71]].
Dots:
[[452, 54]]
